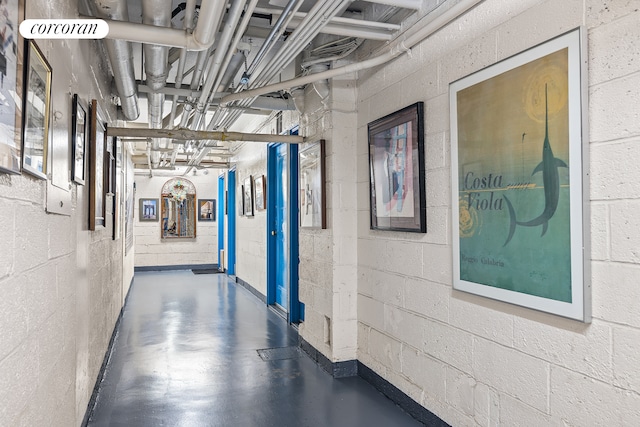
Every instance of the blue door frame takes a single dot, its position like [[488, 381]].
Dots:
[[220, 219], [296, 308], [231, 203]]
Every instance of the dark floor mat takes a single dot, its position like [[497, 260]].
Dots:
[[205, 271]]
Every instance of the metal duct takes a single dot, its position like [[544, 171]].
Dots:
[[156, 58], [121, 57]]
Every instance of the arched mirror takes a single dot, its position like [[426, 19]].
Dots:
[[178, 209]]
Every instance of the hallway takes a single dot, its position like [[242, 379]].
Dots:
[[186, 355]]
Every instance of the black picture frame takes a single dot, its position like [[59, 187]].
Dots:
[[78, 140], [247, 196], [397, 171], [206, 209]]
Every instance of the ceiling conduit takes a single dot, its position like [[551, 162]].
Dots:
[[157, 13], [120, 57], [394, 49]]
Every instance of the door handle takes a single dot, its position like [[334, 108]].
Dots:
[[273, 233]]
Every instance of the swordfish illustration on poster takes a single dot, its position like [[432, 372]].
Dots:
[[512, 148]]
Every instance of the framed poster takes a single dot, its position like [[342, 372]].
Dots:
[[518, 133], [247, 196], [206, 209], [149, 210], [11, 77], [37, 107], [78, 135], [313, 198], [396, 171], [260, 188], [96, 175]]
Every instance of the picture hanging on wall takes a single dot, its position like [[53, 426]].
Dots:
[[313, 199], [97, 150], [37, 107], [78, 135], [206, 209], [149, 210], [518, 144], [397, 175], [247, 196], [261, 191], [11, 79]]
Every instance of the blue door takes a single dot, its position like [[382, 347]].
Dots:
[[220, 220], [281, 227], [282, 230], [230, 200]]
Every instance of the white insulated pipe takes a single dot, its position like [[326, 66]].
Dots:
[[120, 57], [407, 4], [235, 13], [202, 37], [395, 49]]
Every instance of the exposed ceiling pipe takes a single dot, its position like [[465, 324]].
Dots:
[[120, 57], [157, 13], [315, 19], [274, 34], [396, 48], [343, 26], [187, 134], [211, 24], [202, 38], [188, 25], [214, 66], [407, 4]]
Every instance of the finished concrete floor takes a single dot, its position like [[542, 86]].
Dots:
[[186, 354]]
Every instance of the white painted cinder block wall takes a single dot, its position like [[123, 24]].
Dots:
[[151, 250], [61, 284], [470, 360]]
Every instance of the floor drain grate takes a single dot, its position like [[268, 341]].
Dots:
[[279, 353]]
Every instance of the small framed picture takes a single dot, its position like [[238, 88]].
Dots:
[[247, 196], [260, 190], [97, 149], [37, 107], [313, 199], [206, 209], [78, 135], [397, 171], [149, 210]]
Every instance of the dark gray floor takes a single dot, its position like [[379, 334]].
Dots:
[[186, 355]]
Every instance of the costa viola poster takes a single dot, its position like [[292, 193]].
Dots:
[[517, 131]]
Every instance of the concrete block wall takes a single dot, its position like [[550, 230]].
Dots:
[[474, 361], [251, 231], [62, 284], [152, 250]]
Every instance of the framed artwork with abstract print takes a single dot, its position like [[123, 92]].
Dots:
[[313, 198], [397, 174], [260, 189], [519, 184]]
